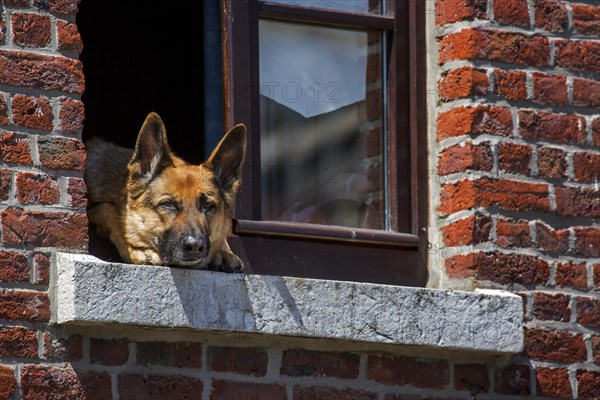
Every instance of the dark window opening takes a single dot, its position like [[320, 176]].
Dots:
[[139, 58]]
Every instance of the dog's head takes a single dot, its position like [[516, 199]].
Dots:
[[181, 211]]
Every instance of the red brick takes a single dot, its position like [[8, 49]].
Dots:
[[72, 114], [581, 202], [471, 230], [463, 82], [230, 390], [471, 378], [43, 382], [487, 192], [59, 349], [596, 349], [62, 154], [560, 128], [571, 275], [8, 382], [502, 46], [587, 241], [578, 55], [172, 354], [44, 229], [514, 158], [36, 189], [586, 167], [238, 360], [512, 233], [586, 19], [41, 265], [551, 307], [547, 345], [24, 306], [5, 184], [596, 132], [516, 48], [67, 7], [474, 120], [3, 107], [551, 240], [69, 37], [108, 352], [327, 393], [137, 386], [14, 150], [551, 162], [549, 89], [553, 383], [32, 112], [14, 267], [18, 343], [30, 70], [514, 380], [318, 364], [450, 11], [512, 85], [464, 45], [463, 266], [77, 189], [551, 15], [31, 30], [508, 269], [588, 384], [2, 32], [511, 12], [586, 93], [588, 312], [465, 156], [401, 371]]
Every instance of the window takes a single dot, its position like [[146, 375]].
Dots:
[[335, 178]]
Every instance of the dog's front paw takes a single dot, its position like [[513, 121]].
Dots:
[[144, 256], [227, 262]]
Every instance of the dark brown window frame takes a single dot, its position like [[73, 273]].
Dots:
[[404, 24]]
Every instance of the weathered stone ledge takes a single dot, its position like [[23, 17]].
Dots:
[[86, 291]]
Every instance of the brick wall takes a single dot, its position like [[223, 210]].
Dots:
[[517, 172], [516, 165]]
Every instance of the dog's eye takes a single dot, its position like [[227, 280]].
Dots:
[[168, 205], [207, 207]]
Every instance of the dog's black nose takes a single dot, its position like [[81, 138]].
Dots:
[[193, 244]]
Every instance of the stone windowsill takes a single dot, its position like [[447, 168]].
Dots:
[[86, 291]]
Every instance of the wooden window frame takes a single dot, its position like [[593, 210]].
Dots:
[[404, 25]]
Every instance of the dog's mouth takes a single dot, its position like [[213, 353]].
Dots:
[[191, 262]]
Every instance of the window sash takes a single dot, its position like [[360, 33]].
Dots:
[[406, 220]]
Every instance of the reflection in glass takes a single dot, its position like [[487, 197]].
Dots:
[[321, 108], [358, 6]]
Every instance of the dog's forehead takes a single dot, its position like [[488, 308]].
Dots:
[[190, 181]]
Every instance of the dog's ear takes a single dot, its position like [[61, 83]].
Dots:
[[227, 159], [152, 151]]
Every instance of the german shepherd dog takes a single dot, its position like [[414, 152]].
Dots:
[[157, 209]]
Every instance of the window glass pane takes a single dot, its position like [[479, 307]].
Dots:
[[321, 109], [358, 6]]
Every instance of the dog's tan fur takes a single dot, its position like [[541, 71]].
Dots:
[[132, 194]]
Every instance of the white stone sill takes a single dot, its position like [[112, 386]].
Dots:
[[86, 291]]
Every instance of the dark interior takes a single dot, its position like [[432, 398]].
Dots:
[[139, 58]]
